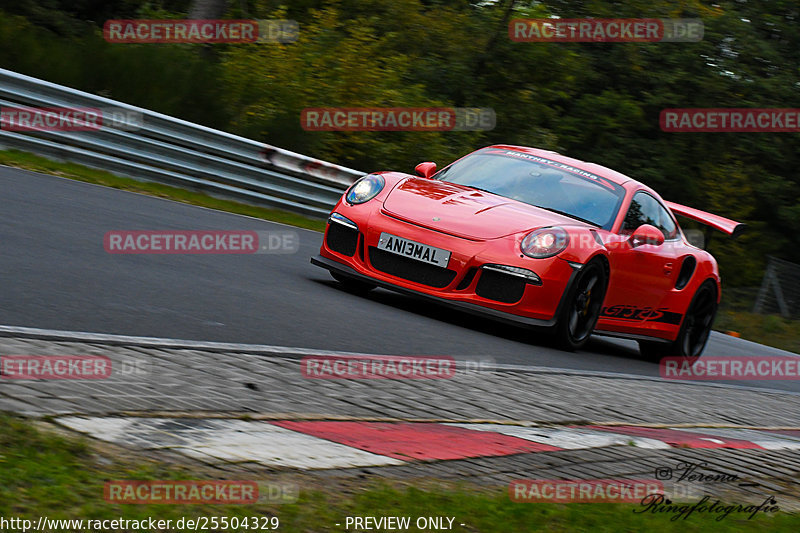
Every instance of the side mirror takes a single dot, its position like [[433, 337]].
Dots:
[[426, 170], [646, 234]]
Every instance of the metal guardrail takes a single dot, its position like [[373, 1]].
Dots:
[[175, 152], [780, 289]]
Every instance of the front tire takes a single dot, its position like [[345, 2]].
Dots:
[[694, 332], [581, 307]]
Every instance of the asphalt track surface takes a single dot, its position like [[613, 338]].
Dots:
[[56, 274]]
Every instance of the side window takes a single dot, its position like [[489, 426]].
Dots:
[[635, 216], [645, 209]]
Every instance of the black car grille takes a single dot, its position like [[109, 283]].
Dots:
[[467, 280], [342, 239], [500, 287], [410, 269]]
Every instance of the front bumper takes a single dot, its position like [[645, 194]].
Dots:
[[471, 282], [472, 308]]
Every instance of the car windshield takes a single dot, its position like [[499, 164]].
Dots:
[[540, 182]]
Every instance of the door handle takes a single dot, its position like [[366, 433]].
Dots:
[[667, 269]]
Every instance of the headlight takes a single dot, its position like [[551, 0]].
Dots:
[[544, 242], [365, 189]]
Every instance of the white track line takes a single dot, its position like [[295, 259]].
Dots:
[[225, 441], [568, 438]]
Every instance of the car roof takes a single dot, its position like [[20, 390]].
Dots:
[[594, 168]]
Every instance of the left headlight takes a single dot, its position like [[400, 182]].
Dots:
[[365, 189], [545, 242]]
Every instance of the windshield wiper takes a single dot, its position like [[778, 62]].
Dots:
[[478, 188], [481, 189], [570, 215]]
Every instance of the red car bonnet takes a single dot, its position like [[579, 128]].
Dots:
[[466, 212]]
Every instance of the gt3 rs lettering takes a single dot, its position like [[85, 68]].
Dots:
[[641, 314]]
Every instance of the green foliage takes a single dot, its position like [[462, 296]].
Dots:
[[172, 79], [338, 62]]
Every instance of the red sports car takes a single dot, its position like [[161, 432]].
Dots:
[[535, 238]]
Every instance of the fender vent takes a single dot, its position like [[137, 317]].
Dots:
[[687, 269]]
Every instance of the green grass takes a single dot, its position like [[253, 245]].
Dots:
[[28, 161], [772, 330], [46, 474], [735, 314], [43, 473]]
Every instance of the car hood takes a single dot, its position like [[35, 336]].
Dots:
[[465, 212]]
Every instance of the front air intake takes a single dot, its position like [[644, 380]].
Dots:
[[410, 269], [342, 239], [500, 286]]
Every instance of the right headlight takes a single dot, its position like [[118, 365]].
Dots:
[[365, 189], [545, 242]]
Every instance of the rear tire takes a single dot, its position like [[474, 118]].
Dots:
[[581, 307], [353, 285], [694, 332]]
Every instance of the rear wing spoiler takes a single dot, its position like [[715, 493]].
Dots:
[[725, 225]]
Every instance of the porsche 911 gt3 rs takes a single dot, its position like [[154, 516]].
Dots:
[[534, 238]]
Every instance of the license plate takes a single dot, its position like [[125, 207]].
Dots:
[[414, 250]]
